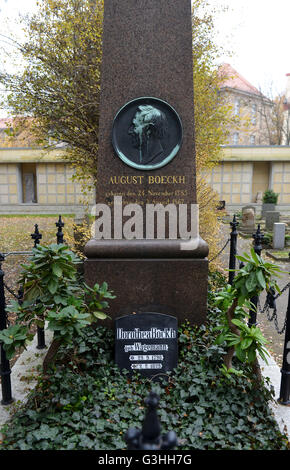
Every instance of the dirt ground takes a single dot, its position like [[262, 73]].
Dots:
[[276, 340]]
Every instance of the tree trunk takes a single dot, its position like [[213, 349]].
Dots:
[[50, 355], [231, 351], [257, 371], [229, 357]]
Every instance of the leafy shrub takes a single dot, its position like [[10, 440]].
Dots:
[[53, 293], [267, 238], [235, 300], [270, 197]]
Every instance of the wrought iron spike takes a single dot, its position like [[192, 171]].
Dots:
[[59, 234], [234, 224], [151, 426], [258, 237], [59, 223], [36, 236], [149, 438]]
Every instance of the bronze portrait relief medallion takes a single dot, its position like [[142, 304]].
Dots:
[[147, 133]]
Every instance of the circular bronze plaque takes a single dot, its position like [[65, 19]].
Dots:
[[147, 133]]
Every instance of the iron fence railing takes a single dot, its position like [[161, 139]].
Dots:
[[270, 304], [5, 370]]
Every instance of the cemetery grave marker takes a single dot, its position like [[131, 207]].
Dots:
[[272, 217], [147, 158], [279, 230], [146, 343]]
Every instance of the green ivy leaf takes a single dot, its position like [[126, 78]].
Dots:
[[100, 315]]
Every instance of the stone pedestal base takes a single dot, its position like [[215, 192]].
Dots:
[[173, 286]]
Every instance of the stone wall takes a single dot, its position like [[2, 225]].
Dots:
[[55, 186], [232, 181], [245, 171], [36, 209], [54, 190], [280, 181], [9, 183]]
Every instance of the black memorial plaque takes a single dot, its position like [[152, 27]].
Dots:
[[146, 343]]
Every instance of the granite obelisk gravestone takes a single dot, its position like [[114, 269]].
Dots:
[[147, 157]]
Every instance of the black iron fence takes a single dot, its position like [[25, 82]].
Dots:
[[270, 304], [5, 370]]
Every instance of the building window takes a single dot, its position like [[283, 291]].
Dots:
[[254, 114], [237, 107], [252, 140], [236, 138]]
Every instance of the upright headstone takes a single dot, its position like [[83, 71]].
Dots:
[[147, 157], [279, 230], [272, 217], [267, 207], [248, 220], [146, 343], [244, 208]]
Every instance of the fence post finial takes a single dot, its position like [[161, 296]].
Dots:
[[258, 237], [149, 438], [36, 236], [59, 234]]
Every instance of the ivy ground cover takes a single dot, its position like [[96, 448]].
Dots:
[[87, 403]]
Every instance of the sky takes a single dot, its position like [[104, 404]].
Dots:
[[258, 33], [10, 10], [255, 31]]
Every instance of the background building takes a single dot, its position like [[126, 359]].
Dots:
[[250, 107], [245, 172], [35, 181]]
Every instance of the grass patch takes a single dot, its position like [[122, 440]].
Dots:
[[15, 231], [87, 403], [280, 254]]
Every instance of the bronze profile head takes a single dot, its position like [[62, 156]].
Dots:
[[148, 128]]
